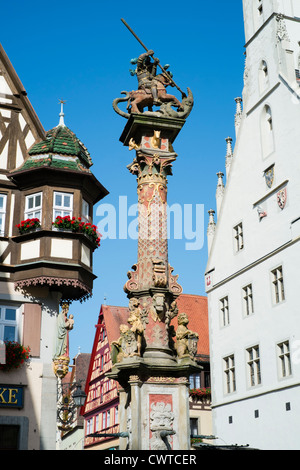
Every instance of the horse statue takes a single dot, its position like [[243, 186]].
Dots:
[[141, 98]]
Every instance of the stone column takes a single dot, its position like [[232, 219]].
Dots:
[[153, 358]]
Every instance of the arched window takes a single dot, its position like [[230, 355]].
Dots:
[[263, 76], [258, 13], [267, 136]]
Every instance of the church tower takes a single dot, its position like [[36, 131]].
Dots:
[[252, 278]]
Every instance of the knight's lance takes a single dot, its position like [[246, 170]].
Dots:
[[143, 45]]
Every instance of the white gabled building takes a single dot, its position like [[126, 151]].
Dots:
[[252, 275]]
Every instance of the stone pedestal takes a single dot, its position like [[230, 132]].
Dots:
[[152, 360]]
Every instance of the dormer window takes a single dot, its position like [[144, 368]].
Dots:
[[62, 204]]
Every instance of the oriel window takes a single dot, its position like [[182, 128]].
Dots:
[[33, 206], [62, 204]]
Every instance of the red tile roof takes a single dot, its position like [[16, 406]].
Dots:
[[195, 306], [113, 318]]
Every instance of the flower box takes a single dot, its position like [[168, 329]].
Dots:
[[72, 224], [29, 225], [200, 393], [16, 355]]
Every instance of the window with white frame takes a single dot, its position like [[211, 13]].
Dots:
[[224, 311], [85, 211], [3, 199], [97, 423], [116, 415], [285, 368], [229, 374], [195, 381], [62, 204], [238, 237], [8, 323], [253, 361], [248, 300], [194, 426], [33, 206], [278, 285], [104, 420], [89, 426]]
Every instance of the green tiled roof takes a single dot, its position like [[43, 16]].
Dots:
[[51, 161], [62, 141]]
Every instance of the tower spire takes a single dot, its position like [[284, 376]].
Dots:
[[61, 114]]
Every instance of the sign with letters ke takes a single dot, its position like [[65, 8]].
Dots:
[[11, 396]]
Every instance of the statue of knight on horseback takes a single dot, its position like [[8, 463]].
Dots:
[[152, 89]]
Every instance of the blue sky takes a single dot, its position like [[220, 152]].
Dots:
[[81, 51]]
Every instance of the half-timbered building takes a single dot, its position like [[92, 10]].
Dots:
[[43, 175], [102, 409]]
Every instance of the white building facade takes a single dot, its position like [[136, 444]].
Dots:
[[252, 278]]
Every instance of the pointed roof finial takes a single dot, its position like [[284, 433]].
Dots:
[[211, 228], [61, 114], [229, 146], [229, 155]]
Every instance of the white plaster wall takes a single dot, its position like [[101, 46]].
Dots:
[[267, 244], [274, 429], [85, 255], [61, 248], [37, 376], [30, 250]]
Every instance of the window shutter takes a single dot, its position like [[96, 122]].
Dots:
[[32, 328]]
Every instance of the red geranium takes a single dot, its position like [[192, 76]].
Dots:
[[28, 225], [16, 355]]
